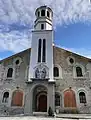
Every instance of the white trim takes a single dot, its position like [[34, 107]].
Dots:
[[17, 58], [26, 72], [68, 60], [41, 49]]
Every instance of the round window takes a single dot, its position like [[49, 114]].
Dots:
[[17, 62], [71, 60]]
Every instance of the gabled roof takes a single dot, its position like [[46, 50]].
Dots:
[[29, 49], [55, 47], [72, 53]]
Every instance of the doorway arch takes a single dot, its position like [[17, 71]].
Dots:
[[42, 102], [40, 99]]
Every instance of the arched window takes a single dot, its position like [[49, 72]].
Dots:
[[44, 51], [17, 98], [5, 97], [82, 97], [57, 99], [48, 14], [79, 71], [39, 50], [10, 72], [42, 12], [38, 14], [56, 72], [42, 26]]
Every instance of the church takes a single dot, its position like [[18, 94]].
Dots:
[[45, 75]]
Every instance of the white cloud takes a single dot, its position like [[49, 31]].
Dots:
[[15, 41], [17, 17]]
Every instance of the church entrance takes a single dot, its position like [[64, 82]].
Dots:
[[40, 99], [42, 102]]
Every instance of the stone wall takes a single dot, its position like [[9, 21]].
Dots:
[[69, 79], [17, 82], [66, 80], [8, 111]]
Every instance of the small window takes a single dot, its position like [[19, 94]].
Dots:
[[5, 97], [42, 12], [44, 51], [48, 14], [56, 72], [82, 97], [57, 100], [10, 72], [17, 62], [71, 60], [39, 50], [42, 26], [38, 14], [79, 72]]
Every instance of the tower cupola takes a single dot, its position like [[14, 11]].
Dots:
[[44, 17]]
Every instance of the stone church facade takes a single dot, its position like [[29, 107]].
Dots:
[[45, 76]]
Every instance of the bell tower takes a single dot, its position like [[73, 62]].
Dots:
[[41, 59], [40, 78], [44, 17]]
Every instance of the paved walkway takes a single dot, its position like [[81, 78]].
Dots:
[[78, 116], [58, 117], [34, 118]]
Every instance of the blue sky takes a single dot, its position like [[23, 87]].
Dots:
[[75, 37], [71, 21]]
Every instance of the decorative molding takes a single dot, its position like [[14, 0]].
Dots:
[[20, 61], [41, 71]]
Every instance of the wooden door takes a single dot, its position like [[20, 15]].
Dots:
[[42, 106], [69, 99]]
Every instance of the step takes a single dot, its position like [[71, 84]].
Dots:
[[40, 113]]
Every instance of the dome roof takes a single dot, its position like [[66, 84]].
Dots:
[[44, 7]]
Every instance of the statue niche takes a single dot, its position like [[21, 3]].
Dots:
[[41, 72]]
